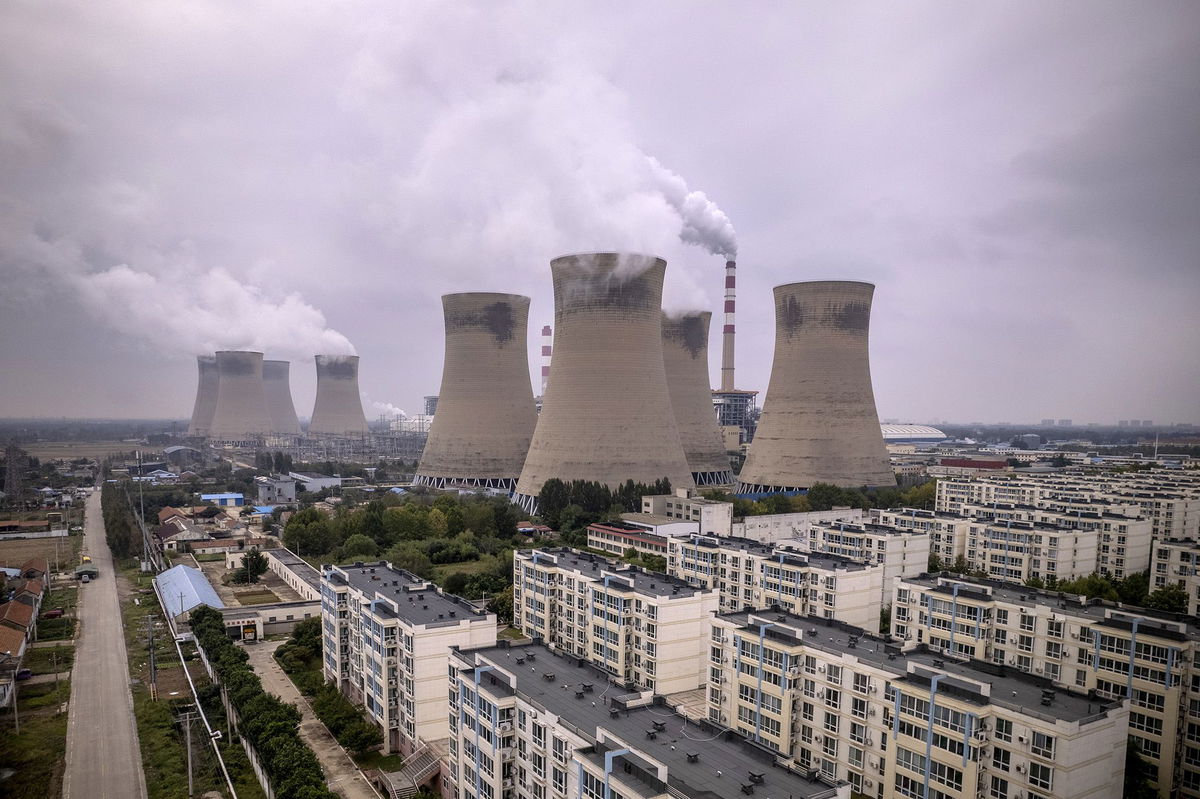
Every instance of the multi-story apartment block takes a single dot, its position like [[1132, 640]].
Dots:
[[771, 527], [645, 534], [901, 552], [852, 706], [386, 637], [645, 629], [1117, 652], [752, 575], [529, 723], [1178, 562], [713, 516]]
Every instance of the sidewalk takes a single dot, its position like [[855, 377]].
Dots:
[[341, 773]]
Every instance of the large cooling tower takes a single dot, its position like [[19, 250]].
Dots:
[[606, 415], [485, 413], [281, 409], [241, 410], [819, 423], [685, 357], [206, 396], [338, 410]]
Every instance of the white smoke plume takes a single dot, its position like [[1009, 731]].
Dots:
[[704, 224]]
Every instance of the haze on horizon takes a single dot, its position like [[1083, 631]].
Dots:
[[1020, 181]]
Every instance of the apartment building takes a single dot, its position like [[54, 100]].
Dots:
[[901, 552], [530, 723], [1115, 652], [852, 706], [644, 628], [1178, 562], [752, 575], [386, 637], [771, 527], [644, 533], [947, 531], [712, 516]]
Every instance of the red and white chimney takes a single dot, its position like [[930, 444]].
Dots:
[[727, 383], [547, 349]]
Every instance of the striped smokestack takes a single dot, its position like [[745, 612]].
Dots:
[[727, 382], [547, 349]]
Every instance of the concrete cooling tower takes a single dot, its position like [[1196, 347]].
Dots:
[[819, 423], [206, 396], [485, 413], [606, 415], [281, 409], [685, 358], [338, 410], [241, 410]]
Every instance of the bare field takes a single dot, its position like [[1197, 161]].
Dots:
[[17, 551], [52, 450]]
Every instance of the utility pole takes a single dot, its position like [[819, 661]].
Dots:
[[150, 648], [186, 719]]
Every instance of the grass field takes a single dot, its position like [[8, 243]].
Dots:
[[260, 596], [16, 551], [51, 450], [441, 572], [37, 755], [41, 660]]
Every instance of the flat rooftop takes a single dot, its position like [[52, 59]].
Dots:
[[297, 566], [654, 519], [639, 581], [823, 560], [1010, 688], [724, 760], [418, 601], [866, 528]]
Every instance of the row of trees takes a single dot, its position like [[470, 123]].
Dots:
[[120, 529], [572, 506], [270, 724], [824, 496]]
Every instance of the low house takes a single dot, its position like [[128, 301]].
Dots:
[[20, 617], [313, 481], [181, 589], [224, 500], [275, 490], [178, 534]]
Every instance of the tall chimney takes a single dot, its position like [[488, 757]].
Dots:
[[206, 396], [241, 409], [338, 410], [278, 387], [607, 416], [485, 413], [685, 358], [727, 383], [819, 423], [547, 349]]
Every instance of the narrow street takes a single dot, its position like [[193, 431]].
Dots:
[[103, 758]]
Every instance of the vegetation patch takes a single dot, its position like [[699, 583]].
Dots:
[[37, 755], [262, 596], [48, 660]]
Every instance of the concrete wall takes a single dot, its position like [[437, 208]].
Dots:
[[338, 408], [241, 408], [278, 387]]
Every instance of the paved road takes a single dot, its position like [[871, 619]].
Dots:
[[103, 759], [341, 773]]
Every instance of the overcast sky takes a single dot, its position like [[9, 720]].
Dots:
[[1021, 181]]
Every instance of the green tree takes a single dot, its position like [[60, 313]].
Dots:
[[501, 603], [885, 619], [359, 545], [254, 564], [935, 564], [1134, 588], [1171, 598], [1138, 774]]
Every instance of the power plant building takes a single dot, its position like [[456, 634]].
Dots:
[[685, 358], [278, 388], [485, 412], [338, 410], [607, 412], [241, 411], [819, 423], [206, 396]]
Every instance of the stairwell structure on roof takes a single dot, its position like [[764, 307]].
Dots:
[[819, 423], [338, 409], [685, 359], [606, 415], [485, 413], [240, 414], [278, 387], [206, 396]]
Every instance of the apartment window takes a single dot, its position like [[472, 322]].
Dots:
[[1001, 758], [1043, 744], [833, 698], [1004, 730], [1140, 721], [999, 789], [1001, 637], [856, 757], [858, 708], [1041, 776], [1002, 617], [858, 733], [829, 746], [831, 722], [1054, 629]]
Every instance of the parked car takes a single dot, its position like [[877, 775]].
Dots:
[[24, 674], [53, 613]]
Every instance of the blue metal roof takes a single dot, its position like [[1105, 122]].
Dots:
[[263, 508], [183, 588], [207, 497]]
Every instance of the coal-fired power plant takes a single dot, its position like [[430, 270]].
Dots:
[[485, 413], [338, 410], [685, 359], [606, 415], [240, 413], [280, 408], [206, 396], [819, 423]]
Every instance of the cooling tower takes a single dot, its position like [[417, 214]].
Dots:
[[338, 410], [819, 423], [278, 387], [607, 414], [685, 358], [241, 410], [206, 396], [485, 413]]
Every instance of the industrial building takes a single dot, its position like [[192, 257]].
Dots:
[[1111, 651], [278, 387], [850, 706], [685, 358], [240, 416], [911, 434], [485, 413], [819, 423], [338, 408], [206, 396], [649, 631], [607, 413]]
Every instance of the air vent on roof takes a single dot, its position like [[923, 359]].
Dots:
[[533, 656], [520, 661], [693, 757], [757, 778], [424, 607], [441, 616], [549, 676], [938, 663], [452, 614]]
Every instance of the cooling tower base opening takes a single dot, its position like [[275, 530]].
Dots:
[[714, 478], [526, 503], [442, 483]]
